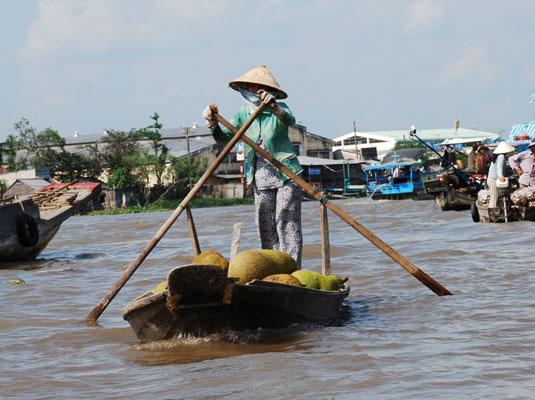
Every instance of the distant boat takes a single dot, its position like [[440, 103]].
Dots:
[[394, 181], [29, 224]]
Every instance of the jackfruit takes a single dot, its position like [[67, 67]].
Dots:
[[315, 280], [283, 278], [257, 264], [331, 282], [212, 258], [160, 287], [309, 279]]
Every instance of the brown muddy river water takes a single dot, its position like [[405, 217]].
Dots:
[[399, 340]]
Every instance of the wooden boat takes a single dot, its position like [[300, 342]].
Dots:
[[507, 213], [452, 189], [394, 181], [201, 300], [30, 223], [451, 193]]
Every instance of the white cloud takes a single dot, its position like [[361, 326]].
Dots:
[[424, 15], [73, 46], [65, 26], [473, 64]]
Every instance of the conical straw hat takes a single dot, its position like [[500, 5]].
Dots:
[[503, 148], [261, 76]]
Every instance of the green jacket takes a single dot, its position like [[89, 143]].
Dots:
[[274, 134]]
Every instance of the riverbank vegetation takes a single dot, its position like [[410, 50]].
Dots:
[[167, 205], [136, 161]]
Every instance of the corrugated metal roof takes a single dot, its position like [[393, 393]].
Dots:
[[526, 128], [431, 135], [33, 183], [83, 138], [309, 161], [462, 141]]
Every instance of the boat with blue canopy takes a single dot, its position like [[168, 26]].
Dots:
[[394, 181]]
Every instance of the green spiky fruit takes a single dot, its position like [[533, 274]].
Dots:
[[257, 264], [286, 279], [212, 258], [331, 282], [160, 287], [315, 280], [309, 279]]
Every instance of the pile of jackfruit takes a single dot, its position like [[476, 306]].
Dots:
[[267, 265]]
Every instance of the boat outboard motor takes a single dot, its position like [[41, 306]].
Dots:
[[462, 176]]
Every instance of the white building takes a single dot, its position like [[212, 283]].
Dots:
[[376, 144]]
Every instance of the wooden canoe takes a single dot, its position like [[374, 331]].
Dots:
[[201, 300]]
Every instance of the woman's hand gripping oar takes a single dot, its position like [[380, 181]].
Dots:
[[389, 251], [108, 297]]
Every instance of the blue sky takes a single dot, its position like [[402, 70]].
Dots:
[[90, 65]]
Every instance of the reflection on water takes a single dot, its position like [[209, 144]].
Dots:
[[395, 339]]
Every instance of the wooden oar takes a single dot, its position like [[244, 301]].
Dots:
[[193, 233], [325, 245], [236, 232], [108, 297], [389, 251]]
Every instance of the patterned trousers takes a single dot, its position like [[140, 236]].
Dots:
[[278, 219]]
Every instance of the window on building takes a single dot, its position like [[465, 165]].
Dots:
[[351, 140], [377, 141], [298, 147], [322, 153], [338, 143], [230, 158]]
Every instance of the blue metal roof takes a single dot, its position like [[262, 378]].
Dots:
[[389, 166], [526, 128]]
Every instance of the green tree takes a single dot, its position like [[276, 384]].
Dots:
[[182, 169], [122, 178], [13, 162], [3, 187], [119, 158], [160, 152], [26, 134], [47, 148], [409, 144]]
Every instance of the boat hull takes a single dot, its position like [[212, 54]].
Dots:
[[47, 218], [514, 213], [257, 304], [12, 250], [453, 200]]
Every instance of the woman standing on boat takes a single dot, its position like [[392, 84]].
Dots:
[[497, 171], [277, 197], [524, 165]]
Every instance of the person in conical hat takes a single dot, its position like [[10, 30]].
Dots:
[[523, 164], [497, 171], [277, 197]]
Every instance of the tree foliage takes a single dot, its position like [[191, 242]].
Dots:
[[47, 148], [3, 187], [160, 152], [409, 144], [132, 159], [118, 158], [185, 169]]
